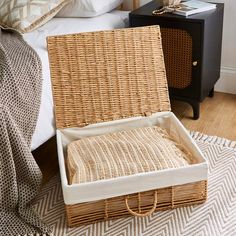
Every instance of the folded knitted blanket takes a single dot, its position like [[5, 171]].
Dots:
[[124, 153], [20, 177]]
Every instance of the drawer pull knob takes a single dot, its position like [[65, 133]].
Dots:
[[195, 63]]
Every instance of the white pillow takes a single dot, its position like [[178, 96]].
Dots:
[[27, 15], [88, 8]]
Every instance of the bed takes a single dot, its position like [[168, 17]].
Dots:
[[45, 128], [22, 99]]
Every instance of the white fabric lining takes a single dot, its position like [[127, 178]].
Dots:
[[98, 190]]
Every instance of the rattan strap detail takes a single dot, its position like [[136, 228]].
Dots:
[[142, 214], [106, 209], [172, 197], [107, 75]]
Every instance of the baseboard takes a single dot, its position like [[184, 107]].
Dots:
[[227, 81]]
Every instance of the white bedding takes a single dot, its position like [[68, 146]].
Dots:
[[45, 128]]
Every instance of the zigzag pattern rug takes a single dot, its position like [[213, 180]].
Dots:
[[216, 217]]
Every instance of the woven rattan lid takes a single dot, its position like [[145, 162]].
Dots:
[[107, 75]]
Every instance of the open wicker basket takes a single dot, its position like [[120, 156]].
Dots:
[[112, 80]]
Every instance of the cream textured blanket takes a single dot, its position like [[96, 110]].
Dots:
[[124, 153], [20, 177]]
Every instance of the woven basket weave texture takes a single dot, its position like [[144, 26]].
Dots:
[[178, 47], [108, 75], [111, 75]]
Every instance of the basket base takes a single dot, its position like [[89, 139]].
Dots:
[[167, 198]]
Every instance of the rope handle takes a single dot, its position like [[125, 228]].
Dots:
[[142, 214]]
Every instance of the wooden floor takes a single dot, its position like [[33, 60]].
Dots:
[[217, 117]]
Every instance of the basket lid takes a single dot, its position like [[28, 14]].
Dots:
[[107, 75]]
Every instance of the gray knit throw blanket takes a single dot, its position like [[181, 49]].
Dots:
[[20, 177]]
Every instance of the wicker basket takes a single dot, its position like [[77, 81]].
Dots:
[[110, 81]]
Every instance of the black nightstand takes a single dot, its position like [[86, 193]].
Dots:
[[192, 50]]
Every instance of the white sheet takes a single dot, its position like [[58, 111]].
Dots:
[[45, 128]]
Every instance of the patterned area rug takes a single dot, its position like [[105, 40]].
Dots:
[[216, 217]]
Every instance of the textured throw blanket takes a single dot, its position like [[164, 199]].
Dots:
[[20, 177]]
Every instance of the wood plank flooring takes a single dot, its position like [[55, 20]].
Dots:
[[217, 117]]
